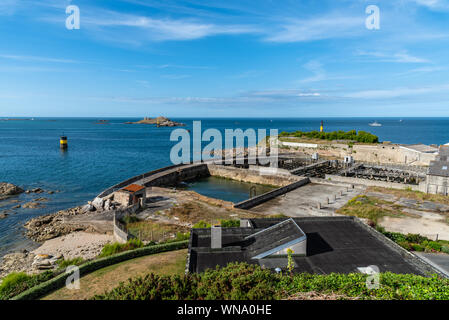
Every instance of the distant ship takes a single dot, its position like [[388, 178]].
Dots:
[[375, 124]]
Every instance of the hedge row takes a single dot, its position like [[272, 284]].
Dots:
[[242, 281], [59, 281]]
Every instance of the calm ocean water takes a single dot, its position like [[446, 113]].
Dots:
[[101, 155]]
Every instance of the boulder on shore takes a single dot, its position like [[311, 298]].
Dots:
[[8, 189]]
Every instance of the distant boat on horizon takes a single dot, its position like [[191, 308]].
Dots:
[[375, 124]]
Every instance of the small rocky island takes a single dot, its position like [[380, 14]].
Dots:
[[159, 121]]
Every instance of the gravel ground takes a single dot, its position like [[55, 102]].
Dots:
[[76, 244]]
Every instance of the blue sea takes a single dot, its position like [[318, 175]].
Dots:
[[101, 155]]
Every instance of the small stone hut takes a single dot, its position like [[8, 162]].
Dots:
[[133, 194]]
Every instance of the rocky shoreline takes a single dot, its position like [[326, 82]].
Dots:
[[53, 225], [59, 240], [61, 235]]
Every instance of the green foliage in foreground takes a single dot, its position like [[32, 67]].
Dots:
[[63, 264], [353, 135], [416, 242], [130, 219], [241, 281], [113, 248], [201, 225], [17, 282], [58, 281], [230, 223]]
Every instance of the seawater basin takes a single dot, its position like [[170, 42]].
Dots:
[[226, 189]]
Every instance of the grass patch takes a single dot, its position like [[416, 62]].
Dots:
[[201, 225], [369, 208], [352, 135], [230, 223], [105, 279], [410, 194], [113, 248], [63, 264], [17, 282], [155, 231], [416, 242]]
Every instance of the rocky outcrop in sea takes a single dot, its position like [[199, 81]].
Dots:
[[53, 225], [160, 121], [8, 189]]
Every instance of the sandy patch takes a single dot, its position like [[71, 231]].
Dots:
[[77, 244], [425, 227]]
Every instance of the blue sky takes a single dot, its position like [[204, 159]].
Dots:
[[220, 58]]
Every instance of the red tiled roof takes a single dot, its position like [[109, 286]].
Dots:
[[133, 188]]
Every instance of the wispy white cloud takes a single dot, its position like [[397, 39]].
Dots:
[[433, 4], [264, 96], [317, 70], [422, 70], [248, 74], [8, 7], [397, 92], [323, 27], [176, 76], [175, 66], [399, 57], [144, 83], [162, 29], [36, 59]]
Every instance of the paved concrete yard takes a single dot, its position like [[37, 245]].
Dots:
[[303, 202], [439, 260]]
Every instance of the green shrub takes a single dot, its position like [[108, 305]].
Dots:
[[434, 246], [113, 248], [351, 135], [406, 245], [180, 236], [41, 289], [445, 249], [62, 263], [416, 238], [231, 223], [17, 282], [417, 247], [242, 281], [130, 219], [201, 225]]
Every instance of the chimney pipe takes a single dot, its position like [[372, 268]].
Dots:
[[216, 237]]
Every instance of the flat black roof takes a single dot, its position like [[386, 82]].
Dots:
[[334, 244]]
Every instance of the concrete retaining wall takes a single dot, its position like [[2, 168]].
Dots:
[[247, 204], [415, 260], [299, 145], [375, 183], [172, 177], [253, 175], [120, 235]]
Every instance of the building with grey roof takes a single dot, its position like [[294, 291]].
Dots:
[[437, 179], [321, 245]]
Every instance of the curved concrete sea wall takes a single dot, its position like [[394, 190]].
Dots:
[[134, 180], [250, 203]]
